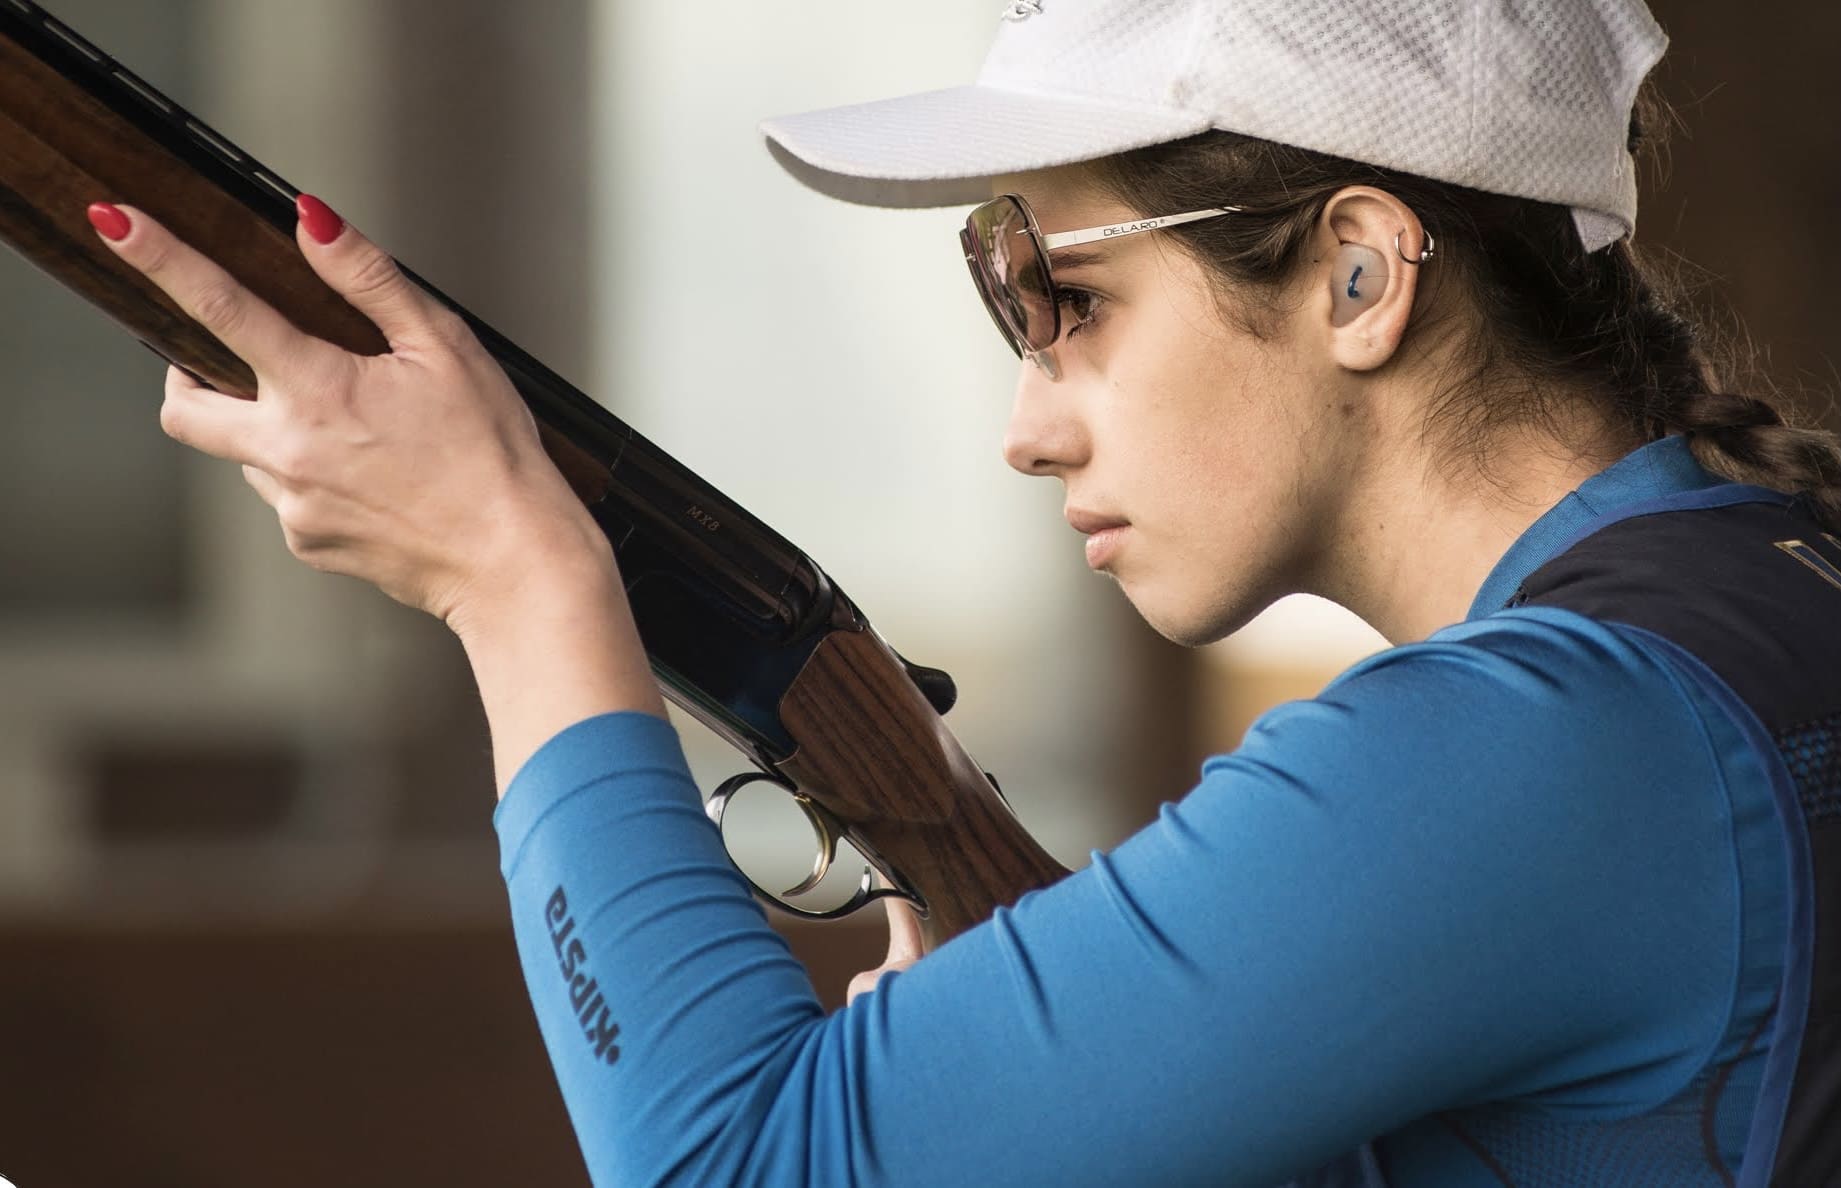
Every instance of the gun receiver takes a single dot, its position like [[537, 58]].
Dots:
[[743, 630]]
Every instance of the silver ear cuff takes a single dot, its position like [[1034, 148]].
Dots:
[[1425, 253]]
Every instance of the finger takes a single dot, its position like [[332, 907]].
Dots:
[[906, 943], [863, 983], [213, 298], [178, 379], [209, 421], [265, 484], [365, 275]]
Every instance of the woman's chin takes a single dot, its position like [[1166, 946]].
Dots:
[[1189, 624]]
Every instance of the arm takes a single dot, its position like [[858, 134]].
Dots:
[[556, 647], [1421, 891]]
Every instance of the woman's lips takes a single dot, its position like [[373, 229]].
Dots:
[[1102, 545], [1104, 534]]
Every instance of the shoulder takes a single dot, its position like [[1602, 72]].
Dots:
[[1749, 589], [1538, 797], [1525, 702]]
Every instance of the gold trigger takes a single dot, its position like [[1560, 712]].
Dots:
[[827, 845]]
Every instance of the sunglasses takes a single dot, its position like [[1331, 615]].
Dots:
[[1008, 256]]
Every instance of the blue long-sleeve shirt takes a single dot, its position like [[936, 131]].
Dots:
[[1526, 874]]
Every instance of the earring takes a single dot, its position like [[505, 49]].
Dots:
[[1425, 253]]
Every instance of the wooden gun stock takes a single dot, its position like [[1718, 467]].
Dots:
[[734, 618], [901, 784]]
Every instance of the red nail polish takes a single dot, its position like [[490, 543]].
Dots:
[[318, 218], [109, 221]]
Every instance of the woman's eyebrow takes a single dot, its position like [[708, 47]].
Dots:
[[1071, 258]]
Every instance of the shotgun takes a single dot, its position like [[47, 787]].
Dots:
[[743, 630]]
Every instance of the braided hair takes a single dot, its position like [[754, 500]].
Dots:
[[1615, 325]]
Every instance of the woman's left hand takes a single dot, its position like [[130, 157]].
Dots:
[[419, 471]]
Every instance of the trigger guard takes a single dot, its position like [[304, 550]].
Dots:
[[718, 804], [866, 893]]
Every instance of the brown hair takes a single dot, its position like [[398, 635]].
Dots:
[[1557, 321]]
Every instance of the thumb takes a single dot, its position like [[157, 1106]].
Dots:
[[906, 946], [363, 273]]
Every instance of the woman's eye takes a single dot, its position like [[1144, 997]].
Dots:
[[1078, 307]]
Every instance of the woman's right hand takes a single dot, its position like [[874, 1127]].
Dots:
[[906, 946]]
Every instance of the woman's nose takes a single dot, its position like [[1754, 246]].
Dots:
[[1044, 435]]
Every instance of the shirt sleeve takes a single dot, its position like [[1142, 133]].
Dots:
[[1494, 866]]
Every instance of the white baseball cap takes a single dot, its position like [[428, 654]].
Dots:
[[1529, 98]]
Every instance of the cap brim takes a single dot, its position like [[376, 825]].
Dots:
[[941, 148]]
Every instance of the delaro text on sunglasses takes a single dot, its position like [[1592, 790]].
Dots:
[[743, 630]]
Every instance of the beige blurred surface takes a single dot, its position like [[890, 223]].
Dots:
[[251, 926]]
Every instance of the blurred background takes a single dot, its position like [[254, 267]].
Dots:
[[251, 923]]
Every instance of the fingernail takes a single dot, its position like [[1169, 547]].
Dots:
[[109, 221], [318, 218]]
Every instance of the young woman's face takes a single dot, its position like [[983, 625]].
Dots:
[[1219, 453]]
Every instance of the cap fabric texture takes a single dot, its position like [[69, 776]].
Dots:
[[1529, 98]]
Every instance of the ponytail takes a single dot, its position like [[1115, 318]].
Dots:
[[1668, 381]]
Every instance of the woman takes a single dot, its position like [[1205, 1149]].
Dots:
[[1335, 298]]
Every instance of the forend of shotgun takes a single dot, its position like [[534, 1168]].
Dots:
[[743, 630]]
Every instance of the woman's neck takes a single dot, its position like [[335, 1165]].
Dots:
[[1424, 534]]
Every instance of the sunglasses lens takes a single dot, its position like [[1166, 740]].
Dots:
[[981, 280], [1012, 277]]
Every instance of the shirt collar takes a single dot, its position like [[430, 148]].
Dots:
[[1653, 471]]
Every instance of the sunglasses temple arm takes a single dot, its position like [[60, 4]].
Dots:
[[1063, 239]]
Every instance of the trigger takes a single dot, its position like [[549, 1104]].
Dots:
[[936, 685]]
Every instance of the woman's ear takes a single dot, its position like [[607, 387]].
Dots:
[[1371, 282]]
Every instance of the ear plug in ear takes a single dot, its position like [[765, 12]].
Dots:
[[1357, 280]]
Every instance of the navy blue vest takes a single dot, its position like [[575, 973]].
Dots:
[[1744, 588], [1752, 590]]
